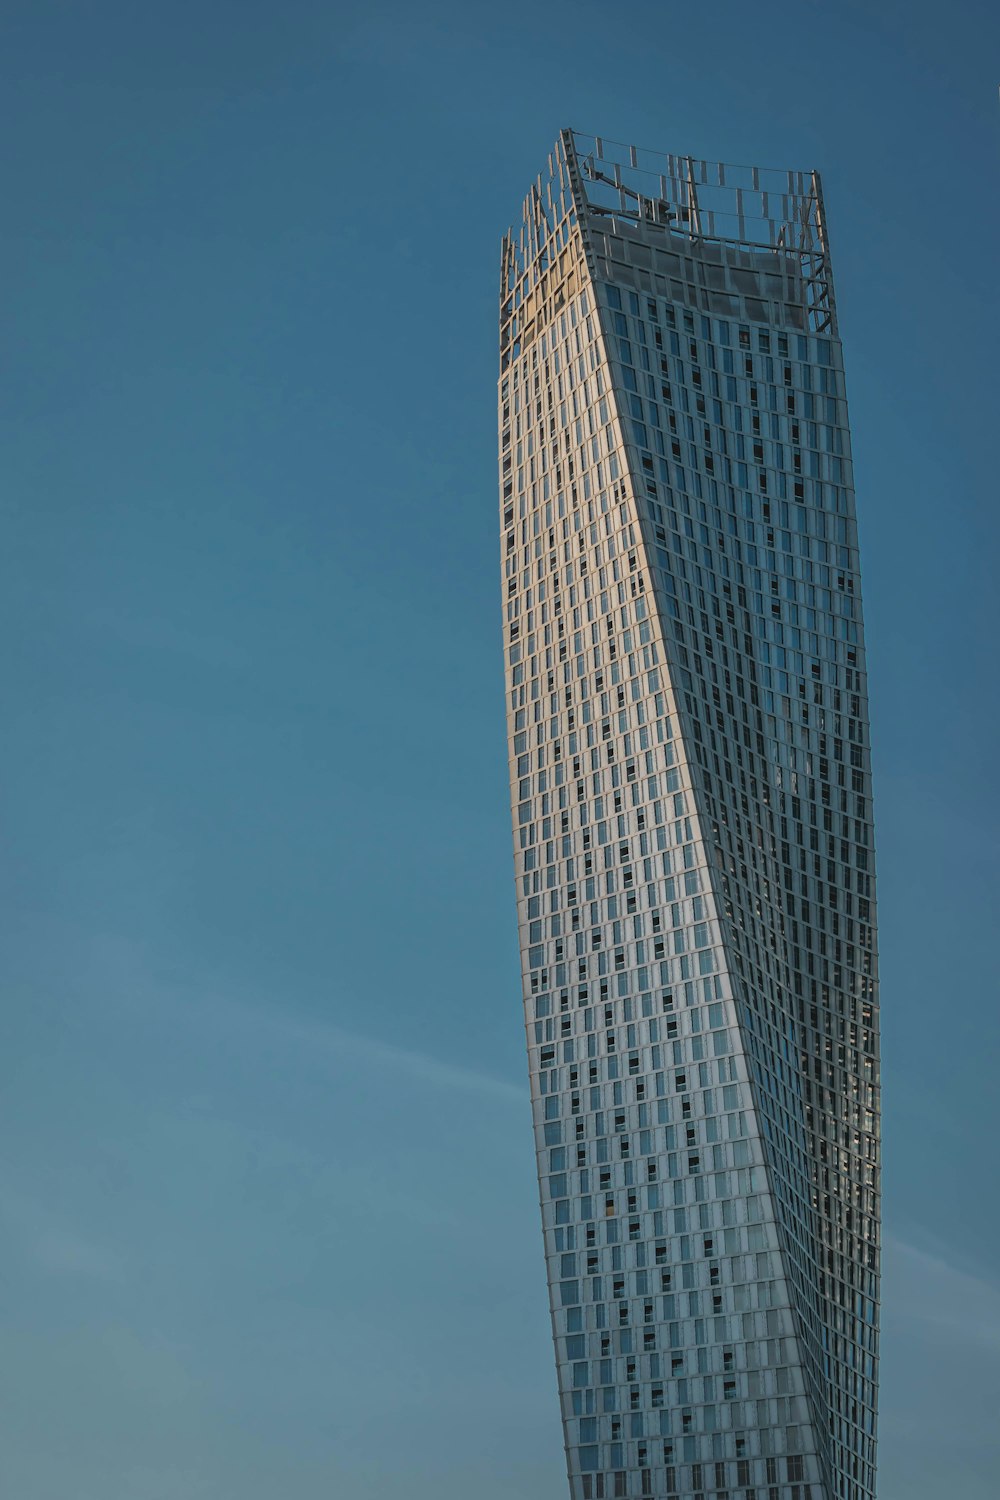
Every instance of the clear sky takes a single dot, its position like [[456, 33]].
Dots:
[[268, 1220]]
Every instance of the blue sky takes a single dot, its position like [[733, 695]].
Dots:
[[269, 1224]]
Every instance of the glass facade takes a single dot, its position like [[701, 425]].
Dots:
[[691, 801]]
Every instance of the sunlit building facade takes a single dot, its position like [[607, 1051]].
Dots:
[[691, 801]]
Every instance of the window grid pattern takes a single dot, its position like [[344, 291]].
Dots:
[[691, 805]]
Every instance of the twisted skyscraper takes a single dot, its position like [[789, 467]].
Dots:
[[691, 796]]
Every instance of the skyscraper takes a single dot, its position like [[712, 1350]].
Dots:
[[691, 799]]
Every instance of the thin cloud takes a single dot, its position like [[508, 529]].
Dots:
[[123, 971], [341, 1046], [53, 1246], [933, 1289]]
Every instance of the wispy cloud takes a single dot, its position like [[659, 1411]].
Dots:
[[123, 971], [930, 1287], [343, 1046], [52, 1245]]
